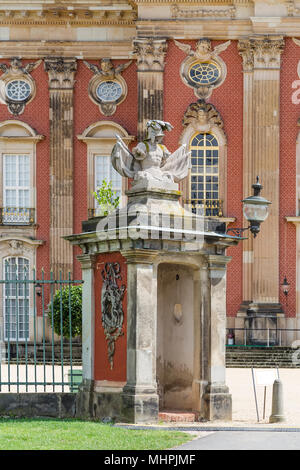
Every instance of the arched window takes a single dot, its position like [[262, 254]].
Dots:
[[204, 177], [16, 299]]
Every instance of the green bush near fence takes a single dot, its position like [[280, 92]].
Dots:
[[65, 301]]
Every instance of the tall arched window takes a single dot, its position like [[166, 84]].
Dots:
[[16, 299], [204, 179]]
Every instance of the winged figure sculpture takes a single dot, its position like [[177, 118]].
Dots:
[[150, 160], [203, 49]]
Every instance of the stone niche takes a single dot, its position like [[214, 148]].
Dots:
[[175, 337]]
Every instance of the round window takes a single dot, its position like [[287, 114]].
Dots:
[[204, 73], [109, 91], [18, 90]]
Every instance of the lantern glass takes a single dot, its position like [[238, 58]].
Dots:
[[255, 212], [285, 286]]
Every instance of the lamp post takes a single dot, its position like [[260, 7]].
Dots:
[[255, 210], [285, 287]]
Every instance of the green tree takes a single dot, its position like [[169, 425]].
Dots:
[[106, 198], [61, 300]]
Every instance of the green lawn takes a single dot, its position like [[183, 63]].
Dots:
[[54, 434]]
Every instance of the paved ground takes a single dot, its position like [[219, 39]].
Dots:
[[238, 380], [243, 402], [239, 440]]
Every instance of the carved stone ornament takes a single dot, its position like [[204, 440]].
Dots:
[[261, 53], [18, 248], [111, 305], [107, 88], [195, 12], [203, 69], [202, 117], [61, 72], [17, 87], [150, 54], [292, 9]]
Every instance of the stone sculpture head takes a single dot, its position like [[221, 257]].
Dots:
[[155, 130], [106, 65], [203, 46]]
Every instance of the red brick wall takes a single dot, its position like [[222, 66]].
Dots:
[[36, 114], [289, 113], [228, 99], [86, 112], [102, 366]]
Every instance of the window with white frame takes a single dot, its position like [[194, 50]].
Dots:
[[16, 299], [16, 189], [105, 170]]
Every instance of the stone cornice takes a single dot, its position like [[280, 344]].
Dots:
[[79, 49], [72, 13], [200, 3]]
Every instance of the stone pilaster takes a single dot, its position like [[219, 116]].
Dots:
[[61, 72], [150, 54], [246, 51], [85, 396], [216, 400], [140, 392], [262, 61]]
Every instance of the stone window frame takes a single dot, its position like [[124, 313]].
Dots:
[[203, 90], [100, 137], [205, 172], [186, 138], [17, 137], [19, 245], [20, 338]]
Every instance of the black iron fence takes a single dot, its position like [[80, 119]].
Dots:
[[261, 336], [36, 342]]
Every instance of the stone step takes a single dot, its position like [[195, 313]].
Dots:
[[177, 416], [281, 357]]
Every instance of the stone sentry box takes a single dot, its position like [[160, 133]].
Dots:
[[154, 309]]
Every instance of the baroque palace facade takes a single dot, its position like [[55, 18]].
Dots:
[[225, 74]]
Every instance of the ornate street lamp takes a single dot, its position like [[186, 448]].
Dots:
[[285, 287], [255, 210]]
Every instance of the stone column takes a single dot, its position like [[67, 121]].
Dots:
[[267, 61], [84, 402], [61, 72], [262, 61], [140, 392], [150, 55], [216, 400]]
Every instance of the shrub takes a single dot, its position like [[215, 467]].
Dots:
[[106, 198], [76, 311]]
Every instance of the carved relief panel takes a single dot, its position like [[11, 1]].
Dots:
[[111, 306]]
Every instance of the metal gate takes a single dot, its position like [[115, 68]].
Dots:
[[37, 321]]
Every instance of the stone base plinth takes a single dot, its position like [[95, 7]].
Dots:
[[116, 405], [140, 408], [217, 404]]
